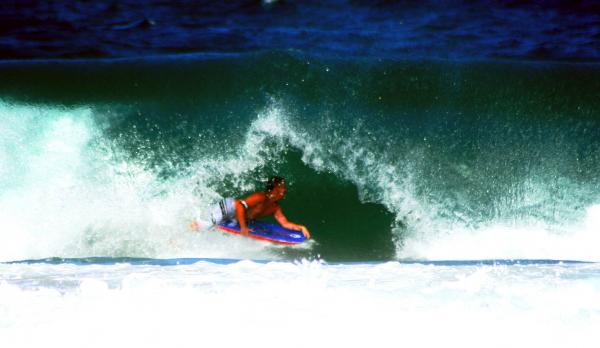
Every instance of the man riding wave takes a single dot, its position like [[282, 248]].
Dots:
[[257, 205]]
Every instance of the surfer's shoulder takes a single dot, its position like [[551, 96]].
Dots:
[[256, 197]]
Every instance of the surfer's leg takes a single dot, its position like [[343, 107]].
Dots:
[[218, 213], [221, 212], [204, 221], [201, 225], [229, 209]]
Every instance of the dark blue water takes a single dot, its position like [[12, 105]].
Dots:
[[531, 30]]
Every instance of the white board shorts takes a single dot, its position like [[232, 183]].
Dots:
[[223, 211]]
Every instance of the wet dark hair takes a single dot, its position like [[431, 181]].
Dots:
[[273, 182]]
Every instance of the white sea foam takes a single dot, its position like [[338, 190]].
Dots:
[[508, 242], [301, 304], [66, 191]]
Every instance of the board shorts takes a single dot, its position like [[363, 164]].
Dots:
[[223, 211]]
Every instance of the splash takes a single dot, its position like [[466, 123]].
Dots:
[[68, 191]]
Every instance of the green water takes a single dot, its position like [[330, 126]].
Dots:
[[375, 151]]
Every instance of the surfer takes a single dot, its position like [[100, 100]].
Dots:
[[257, 205]]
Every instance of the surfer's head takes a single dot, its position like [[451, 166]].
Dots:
[[275, 188]]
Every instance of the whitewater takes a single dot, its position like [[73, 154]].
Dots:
[[224, 303]]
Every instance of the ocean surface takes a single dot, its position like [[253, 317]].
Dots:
[[444, 155]]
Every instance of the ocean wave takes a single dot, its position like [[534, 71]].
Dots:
[[385, 159]]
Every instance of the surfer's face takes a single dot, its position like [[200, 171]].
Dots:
[[278, 192]]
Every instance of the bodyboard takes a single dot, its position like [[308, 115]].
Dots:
[[265, 231]]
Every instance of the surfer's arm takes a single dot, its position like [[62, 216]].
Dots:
[[241, 209], [283, 221], [240, 214]]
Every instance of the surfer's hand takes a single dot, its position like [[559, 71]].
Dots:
[[245, 231], [305, 232]]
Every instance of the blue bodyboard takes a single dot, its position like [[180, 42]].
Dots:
[[265, 231]]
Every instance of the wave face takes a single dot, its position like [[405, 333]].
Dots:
[[385, 159], [523, 30]]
